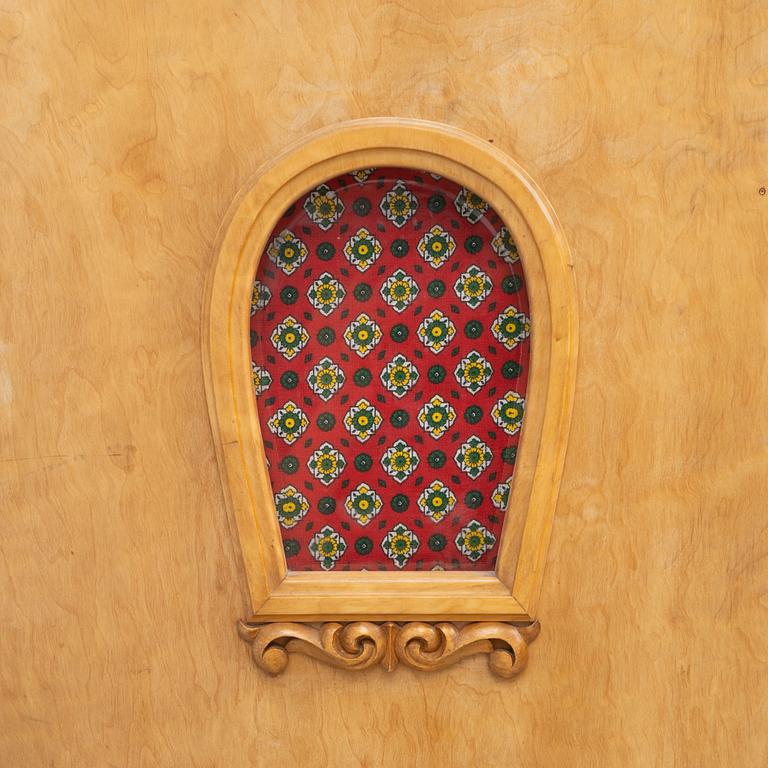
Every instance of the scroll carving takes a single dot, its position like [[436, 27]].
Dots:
[[419, 645]]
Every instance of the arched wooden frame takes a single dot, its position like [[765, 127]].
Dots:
[[511, 592]]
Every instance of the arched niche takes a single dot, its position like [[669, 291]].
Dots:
[[503, 592]]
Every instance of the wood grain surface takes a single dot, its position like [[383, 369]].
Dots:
[[128, 128]]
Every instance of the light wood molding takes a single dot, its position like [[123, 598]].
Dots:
[[510, 593], [419, 645]]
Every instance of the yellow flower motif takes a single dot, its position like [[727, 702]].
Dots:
[[328, 295], [504, 246], [362, 174], [327, 380], [401, 460], [362, 420], [436, 331], [327, 546], [287, 252], [436, 501], [289, 337], [363, 504], [474, 201], [436, 416], [474, 287], [475, 541], [474, 372], [362, 334], [260, 297], [436, 246], [474, 458], [470, 205], [325, 207], [508, 412], [400, 544], [511, 327], [399, 376], [291, 506], [399, 290], [362, 249], [327, 464], [261, 377], [500, 496], [288, 422], [399, 205]]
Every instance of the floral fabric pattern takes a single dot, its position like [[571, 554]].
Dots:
[[390, 344]]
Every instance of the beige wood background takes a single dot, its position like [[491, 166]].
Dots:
[[128, 128]]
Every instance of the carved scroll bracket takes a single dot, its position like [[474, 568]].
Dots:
[[419, 645]]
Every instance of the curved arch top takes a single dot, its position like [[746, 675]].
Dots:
[[512, 591]]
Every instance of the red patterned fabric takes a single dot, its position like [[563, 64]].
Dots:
[[390, 344]]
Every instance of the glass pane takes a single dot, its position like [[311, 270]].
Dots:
[[390, 345]]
